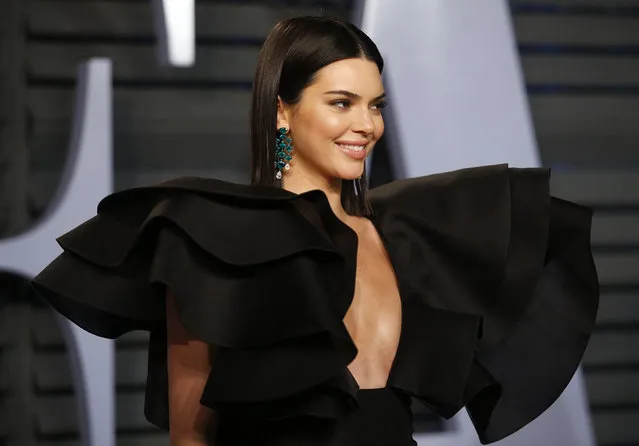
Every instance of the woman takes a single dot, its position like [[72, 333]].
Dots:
[[303, 310]]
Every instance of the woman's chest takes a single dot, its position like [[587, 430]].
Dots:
[[374, 319]]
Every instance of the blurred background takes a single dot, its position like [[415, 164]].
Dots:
[[580, 61]]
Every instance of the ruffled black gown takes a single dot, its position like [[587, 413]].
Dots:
[[498, 287]]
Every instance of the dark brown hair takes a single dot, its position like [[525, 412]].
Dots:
[[289, 59]]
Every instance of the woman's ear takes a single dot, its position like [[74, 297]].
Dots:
[[282, 114]]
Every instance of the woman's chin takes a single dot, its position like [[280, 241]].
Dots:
[[351, 173]]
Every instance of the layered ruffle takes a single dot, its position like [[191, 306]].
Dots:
[[493, 245], [251, 275], [499, 291]]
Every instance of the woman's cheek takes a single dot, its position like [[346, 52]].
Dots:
[[335, 125], [380, 129]]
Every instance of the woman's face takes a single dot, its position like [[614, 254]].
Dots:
[[337, 121]]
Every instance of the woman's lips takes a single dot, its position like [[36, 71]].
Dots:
[[354, 150]]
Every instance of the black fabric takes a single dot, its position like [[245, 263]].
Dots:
[[492, 243], [498, 287]]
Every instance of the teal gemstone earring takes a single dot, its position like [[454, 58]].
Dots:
[[283, 151]]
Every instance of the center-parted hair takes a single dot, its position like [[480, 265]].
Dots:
[[292, 54]]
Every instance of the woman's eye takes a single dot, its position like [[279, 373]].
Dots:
[[341, 104], [380, 105]]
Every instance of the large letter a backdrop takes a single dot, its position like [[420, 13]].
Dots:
[[86, 179]]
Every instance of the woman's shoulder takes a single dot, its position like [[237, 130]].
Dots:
[[249, 274], [466, 185], [204, 186], [490, 242], [240, 224]]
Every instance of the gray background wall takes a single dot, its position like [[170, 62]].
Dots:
[[581, 65]]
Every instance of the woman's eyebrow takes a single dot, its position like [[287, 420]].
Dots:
[[352, 95]]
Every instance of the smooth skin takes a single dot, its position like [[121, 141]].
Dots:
[[321, 119], [342, 105]]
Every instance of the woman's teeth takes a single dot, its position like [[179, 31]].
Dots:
[[352, 147], [356, 152]]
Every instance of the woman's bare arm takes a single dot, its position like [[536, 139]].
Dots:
[[189, 363]]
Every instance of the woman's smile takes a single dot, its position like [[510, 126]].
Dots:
[[354, 150]]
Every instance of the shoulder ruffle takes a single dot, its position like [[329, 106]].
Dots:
[[498, 315], [498, 286], [262, 273]]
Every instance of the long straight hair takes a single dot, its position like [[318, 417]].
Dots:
[[292, 54]]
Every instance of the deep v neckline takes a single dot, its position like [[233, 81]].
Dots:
[[384, 244], [346, 240]]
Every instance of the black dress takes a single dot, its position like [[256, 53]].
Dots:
[[498, 287]]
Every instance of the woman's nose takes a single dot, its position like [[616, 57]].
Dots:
[[364, 122]]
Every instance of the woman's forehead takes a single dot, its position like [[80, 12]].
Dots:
[[359, 76]]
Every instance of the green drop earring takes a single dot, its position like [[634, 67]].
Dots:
[[283, 152]]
